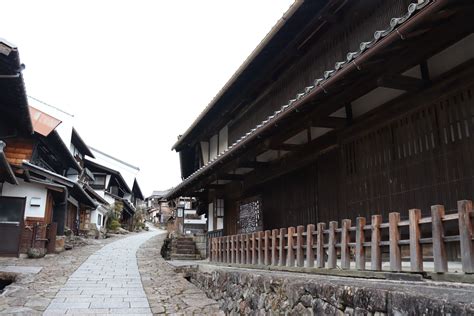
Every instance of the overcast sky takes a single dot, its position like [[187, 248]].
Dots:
[[135, 73]]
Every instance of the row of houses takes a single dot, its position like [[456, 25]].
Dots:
[[345, 109], [51, 181]]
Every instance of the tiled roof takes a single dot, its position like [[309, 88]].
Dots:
[[318, 82]]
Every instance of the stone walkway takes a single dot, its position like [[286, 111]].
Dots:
[[108, 282], [169, 292]]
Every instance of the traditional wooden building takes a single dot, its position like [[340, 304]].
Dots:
[[345, 109]]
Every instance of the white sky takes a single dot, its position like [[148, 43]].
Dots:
[[135, 73]]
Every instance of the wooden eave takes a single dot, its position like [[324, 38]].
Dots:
[[443, 22]]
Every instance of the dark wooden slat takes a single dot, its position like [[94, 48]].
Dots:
[[260, 236], [394, 235], [439, 250], [320, 246], [360, 239], [309, 246], [299, 246], [332, 254], [466, 235], [242, 249], [416, 256], [345, 240], [375, 253]]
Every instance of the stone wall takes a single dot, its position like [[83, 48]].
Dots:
[[247, 292], [201, 244]]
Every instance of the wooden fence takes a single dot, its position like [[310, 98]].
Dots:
[[321, 246]]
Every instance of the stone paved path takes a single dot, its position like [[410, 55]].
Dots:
[[169, 292], [108, 282]]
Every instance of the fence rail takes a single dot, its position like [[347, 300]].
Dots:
[[322, 246]]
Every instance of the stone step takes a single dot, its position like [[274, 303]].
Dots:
[[185, 257], [191, 252]]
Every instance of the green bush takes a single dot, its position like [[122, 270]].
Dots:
[[114, 224]]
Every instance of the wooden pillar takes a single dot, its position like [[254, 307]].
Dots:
[[320, 245], [465, 235], [282, 250], [332, 254], [299, 246], [274, 247], [437, 232], [254, 249], [394, 235], [360, 239], [309, 246], [290, 260], [416, 255], [219, 248], [267, 249], [345, 240], [375, 254]]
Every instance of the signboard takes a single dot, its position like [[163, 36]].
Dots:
[[250, 216], [43, 123]]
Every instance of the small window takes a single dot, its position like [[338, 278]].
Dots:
[[99, 182], [99, 219]]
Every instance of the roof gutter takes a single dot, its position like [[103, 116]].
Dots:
[[391, 38], [281, 22]]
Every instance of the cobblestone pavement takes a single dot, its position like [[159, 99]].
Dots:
[[31, 293], [167, 291], [108, 282]]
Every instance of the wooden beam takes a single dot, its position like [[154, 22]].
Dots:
[[253, 164], [287, 147], [231, 177], [401, 82], [331, 122]]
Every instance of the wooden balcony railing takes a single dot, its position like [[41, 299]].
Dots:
[[324, 246]]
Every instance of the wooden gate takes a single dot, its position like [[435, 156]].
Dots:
[[12, 210]]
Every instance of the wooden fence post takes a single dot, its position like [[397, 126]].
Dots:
[[375, 254], [309, 246], [345, 240], [260, 247], [394, 236], [219, 249], [416, 255], [465, 235], [320, 245], [360, 239], [299, 246], [248, 258], [232, 251], [254, 249], [274, 247], [267, 248], [437, 232], [282, 250], [332, 254], [242, 249], [290, 260], [227, 249], [237, 249]]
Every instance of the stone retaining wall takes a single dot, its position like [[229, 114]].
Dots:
[[248, 292]]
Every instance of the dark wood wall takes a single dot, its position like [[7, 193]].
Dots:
[[416, 159]]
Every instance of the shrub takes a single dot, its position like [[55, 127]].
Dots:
[[114, 224]]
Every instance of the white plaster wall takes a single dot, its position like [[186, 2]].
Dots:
[[28, 190], [94, 215]]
